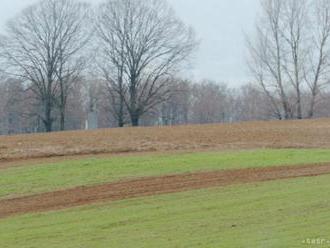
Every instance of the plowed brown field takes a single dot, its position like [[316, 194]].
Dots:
[[152, 186], [276, 134]]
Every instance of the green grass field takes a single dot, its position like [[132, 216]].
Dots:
[[42, 178], [271, 214]]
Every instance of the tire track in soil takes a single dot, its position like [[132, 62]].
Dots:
[[149, 186]]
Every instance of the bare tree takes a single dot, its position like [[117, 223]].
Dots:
[[250, 103], [176, 109], [266, 57], [111, 59], [11, 106], [318, 71], [295, 33], [143, 43], [40, 47], [75, 34], [289, 56], [209, 102]]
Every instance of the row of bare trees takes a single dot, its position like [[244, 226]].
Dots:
[[188, 102], [138, 46], [289, 55], [65, 65]]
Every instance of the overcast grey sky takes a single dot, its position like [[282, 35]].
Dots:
[[220, 26]]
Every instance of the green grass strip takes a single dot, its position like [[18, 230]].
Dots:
[[49, 177]]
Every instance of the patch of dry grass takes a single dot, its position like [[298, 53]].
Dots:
[[249, 135]]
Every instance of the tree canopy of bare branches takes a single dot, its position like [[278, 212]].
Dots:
[[42, 46], [289, 56], [142, 44]]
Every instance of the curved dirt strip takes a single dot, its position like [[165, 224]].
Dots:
[[152, 186]]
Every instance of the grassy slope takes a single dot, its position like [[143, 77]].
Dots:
[[272, 214], [41, 178]]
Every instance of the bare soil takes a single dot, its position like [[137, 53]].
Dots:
[[81, 196], [249, 135]]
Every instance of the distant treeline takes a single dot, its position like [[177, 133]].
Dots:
[[66, 65]]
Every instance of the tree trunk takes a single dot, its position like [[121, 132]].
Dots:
[[62, 104], [133, 110], [62, 108], [121, 123], [48, 117], [135, 119], [286, 111], [62, 119], [312, 104], [121, 119], [299, 108], [48, 126], [311, 111]]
